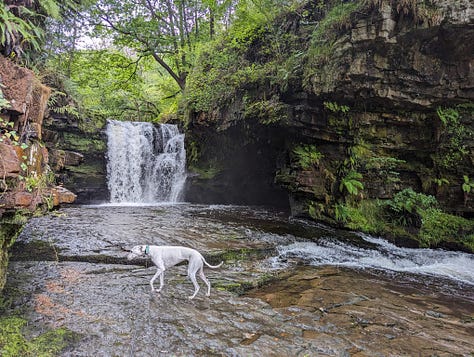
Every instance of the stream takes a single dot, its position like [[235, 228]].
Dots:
[[287, 287]]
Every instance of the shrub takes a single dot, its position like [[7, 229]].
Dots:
[[405, 207]]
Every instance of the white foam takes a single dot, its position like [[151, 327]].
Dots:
[[384, 255]]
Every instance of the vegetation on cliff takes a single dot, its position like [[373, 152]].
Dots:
[[318, 71]]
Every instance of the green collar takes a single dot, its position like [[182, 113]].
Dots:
[[147, 249]]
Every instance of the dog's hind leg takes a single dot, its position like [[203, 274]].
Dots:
[[203, 277], [192, 276], [159, 273]]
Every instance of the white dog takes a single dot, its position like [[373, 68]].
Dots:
[[168, 256]]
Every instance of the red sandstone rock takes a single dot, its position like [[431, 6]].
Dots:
[[59, 195], [28, 97], [9, 161], [23, 199], [65, 196]]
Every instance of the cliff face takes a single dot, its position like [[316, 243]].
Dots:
[[26, 180], [376, 97], [401, 78], [77, 157]]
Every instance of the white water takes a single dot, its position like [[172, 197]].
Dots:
[[145, 163], [384, 255]]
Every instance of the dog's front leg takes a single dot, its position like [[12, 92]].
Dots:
[[158, 273]]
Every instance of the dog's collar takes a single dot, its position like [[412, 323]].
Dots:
[[147, 249]]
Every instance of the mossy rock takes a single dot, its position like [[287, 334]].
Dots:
[[82, 144], [13, 340]]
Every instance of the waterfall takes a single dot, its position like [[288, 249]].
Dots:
[[146, 163]]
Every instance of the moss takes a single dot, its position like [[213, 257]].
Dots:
[[238, 288], [241, 287], [14, 343], [238, 254], [86, 169], [10, 227], [206, 173], [83, 144], [267, 111], [438, 227], [367, 217]]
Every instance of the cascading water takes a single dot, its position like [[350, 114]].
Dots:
[[146, 163]]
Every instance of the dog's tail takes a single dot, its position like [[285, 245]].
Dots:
[[212, 266]]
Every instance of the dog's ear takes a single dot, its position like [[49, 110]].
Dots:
[[143, 249]]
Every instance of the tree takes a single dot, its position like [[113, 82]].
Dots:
[[166, 30]]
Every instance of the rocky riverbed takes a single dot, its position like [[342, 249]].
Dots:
[[69, 270]]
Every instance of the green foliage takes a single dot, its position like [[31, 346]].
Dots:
[[341, 212], [448, 116], [51, 8], [438, 226], [351, 183], [109, 84], [307, 156], [267, 111], [251, 55], [19, 29], [367, 217], [467, 185], [452, 143], [251, 19], [336, 108], [219, 72], [325, 34], [67, 109], [406, 206], [316, 210], [385, 167], [13, 343], [4, 103], [8, 134]]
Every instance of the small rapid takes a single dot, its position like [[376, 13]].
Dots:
[[377, 253]]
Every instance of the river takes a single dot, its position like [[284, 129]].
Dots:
[[287, 287]]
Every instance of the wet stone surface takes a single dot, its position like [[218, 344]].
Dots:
[[295, 311]]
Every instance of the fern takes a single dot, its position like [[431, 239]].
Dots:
[[15, 29], [351, 182], [308, 156], [448, 115], [51, 8]]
